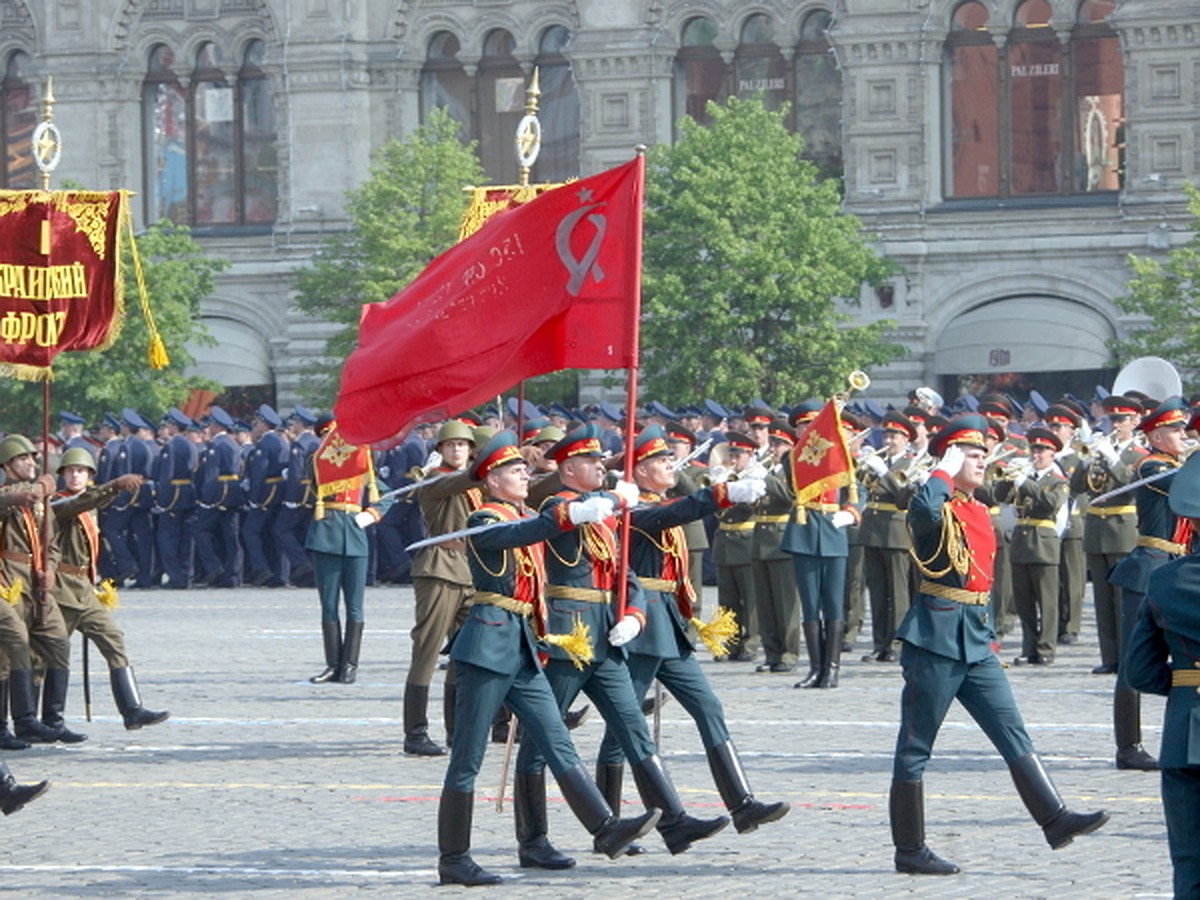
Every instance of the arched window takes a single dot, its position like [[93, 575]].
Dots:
[[18, 118], [444, 82], [501, 105], [759, 67], [1033, 116], [559, 109], [700, 73], [210, 154], [818, 95]]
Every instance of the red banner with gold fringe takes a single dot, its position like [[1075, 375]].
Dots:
[[821, 460], [60, 276]]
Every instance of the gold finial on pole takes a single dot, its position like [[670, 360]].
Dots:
[[529, 131], [47, 141]]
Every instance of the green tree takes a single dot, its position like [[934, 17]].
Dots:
[[91, 383], [1167, 293], [407, 212], [746, 254]]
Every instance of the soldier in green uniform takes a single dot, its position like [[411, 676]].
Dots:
[[1110, 528], [497, 653], [890, 478], [733, 550], [682, 442], [775, 594], [947, 654], [1072, 572], [75, 591]]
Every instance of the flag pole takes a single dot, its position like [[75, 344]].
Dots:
[[635, 293]]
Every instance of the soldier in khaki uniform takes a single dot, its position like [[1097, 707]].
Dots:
[[733, 553], [890, 479], [1110, 528], [442, 582], [682, 442], [74, 590], [1072, 572], [775, 594], [1003, 606], [1040, 496]]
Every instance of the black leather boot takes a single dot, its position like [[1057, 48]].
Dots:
[[54, 704], [609, 777], [8, 740], [416, 722], [735, 792], [831, 654], [906, 809], [1041, 798], [26, 724], [129, 701], [1127, 729], [348, 673], [455, 865], [612, 834], [576, 717], [331, 637], [678, 829], [449, 706], [812, 643], [13, 796], [534, 850]]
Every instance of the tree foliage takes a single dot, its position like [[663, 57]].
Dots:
[[405, 214], [747, 252], [1167, 293], [92, 383]]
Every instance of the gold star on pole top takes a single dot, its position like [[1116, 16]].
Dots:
[[48, 145]]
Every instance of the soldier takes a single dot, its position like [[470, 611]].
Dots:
[[347, 503], [116, 560], [682, 442], [581, 585], [75, 584], [402, 525], [663, 649], [264, 498], [947, 654], [999, 463], [733, 551], [816, 537], [857, 433], [1040, 494], [776, 600], [139, 530], [296, 508], [496, 651], [175, 499], [1157, 544], [890, 478], [1065, 422], [31, 620], [219, 500], [1110, 527], [1168, 625]]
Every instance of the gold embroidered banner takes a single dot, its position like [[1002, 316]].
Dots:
[[60, 276]]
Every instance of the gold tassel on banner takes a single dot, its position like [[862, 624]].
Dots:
[[106, 593], [156, 353], [11, 594], [577, 644], [719, 631]]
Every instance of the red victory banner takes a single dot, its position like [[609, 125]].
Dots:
[[550, 284], [60, 282], [821, 459]]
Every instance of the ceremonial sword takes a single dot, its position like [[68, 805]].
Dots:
[[1149, 479]]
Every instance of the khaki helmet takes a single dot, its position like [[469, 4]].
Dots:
[[13, 446], [77, 456], [455, 430]]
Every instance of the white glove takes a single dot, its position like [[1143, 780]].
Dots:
[[363, 519], [1065, 451], [952, 460], [628, 492], [1085, 431], [717, 474], [1105, 448], [624, 631], [1020, 479], [746, 490], [876, 465], [593, 509], [432, 461], [383, 471], [842, 518]]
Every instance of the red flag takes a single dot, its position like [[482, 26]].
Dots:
[[549, 285], [821, 459]]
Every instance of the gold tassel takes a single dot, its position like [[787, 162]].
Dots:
[[319, 510], [719, 631], [158, 353], [11, 594], [106, 593], [577, 644]]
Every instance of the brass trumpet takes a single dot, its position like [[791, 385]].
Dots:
[[858, 380]]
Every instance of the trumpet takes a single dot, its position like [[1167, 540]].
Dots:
[[1016, 468], [858, 380], [922, 462]]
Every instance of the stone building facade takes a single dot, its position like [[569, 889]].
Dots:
[[1009, 154]]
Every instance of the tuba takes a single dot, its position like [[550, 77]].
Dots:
[[1150, 375]]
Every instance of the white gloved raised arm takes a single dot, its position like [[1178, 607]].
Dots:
[[628, 493], [746, 490], [952, 460], [876, 465], [593, 509]]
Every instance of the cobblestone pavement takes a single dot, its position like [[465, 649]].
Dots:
[[264, 783]]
